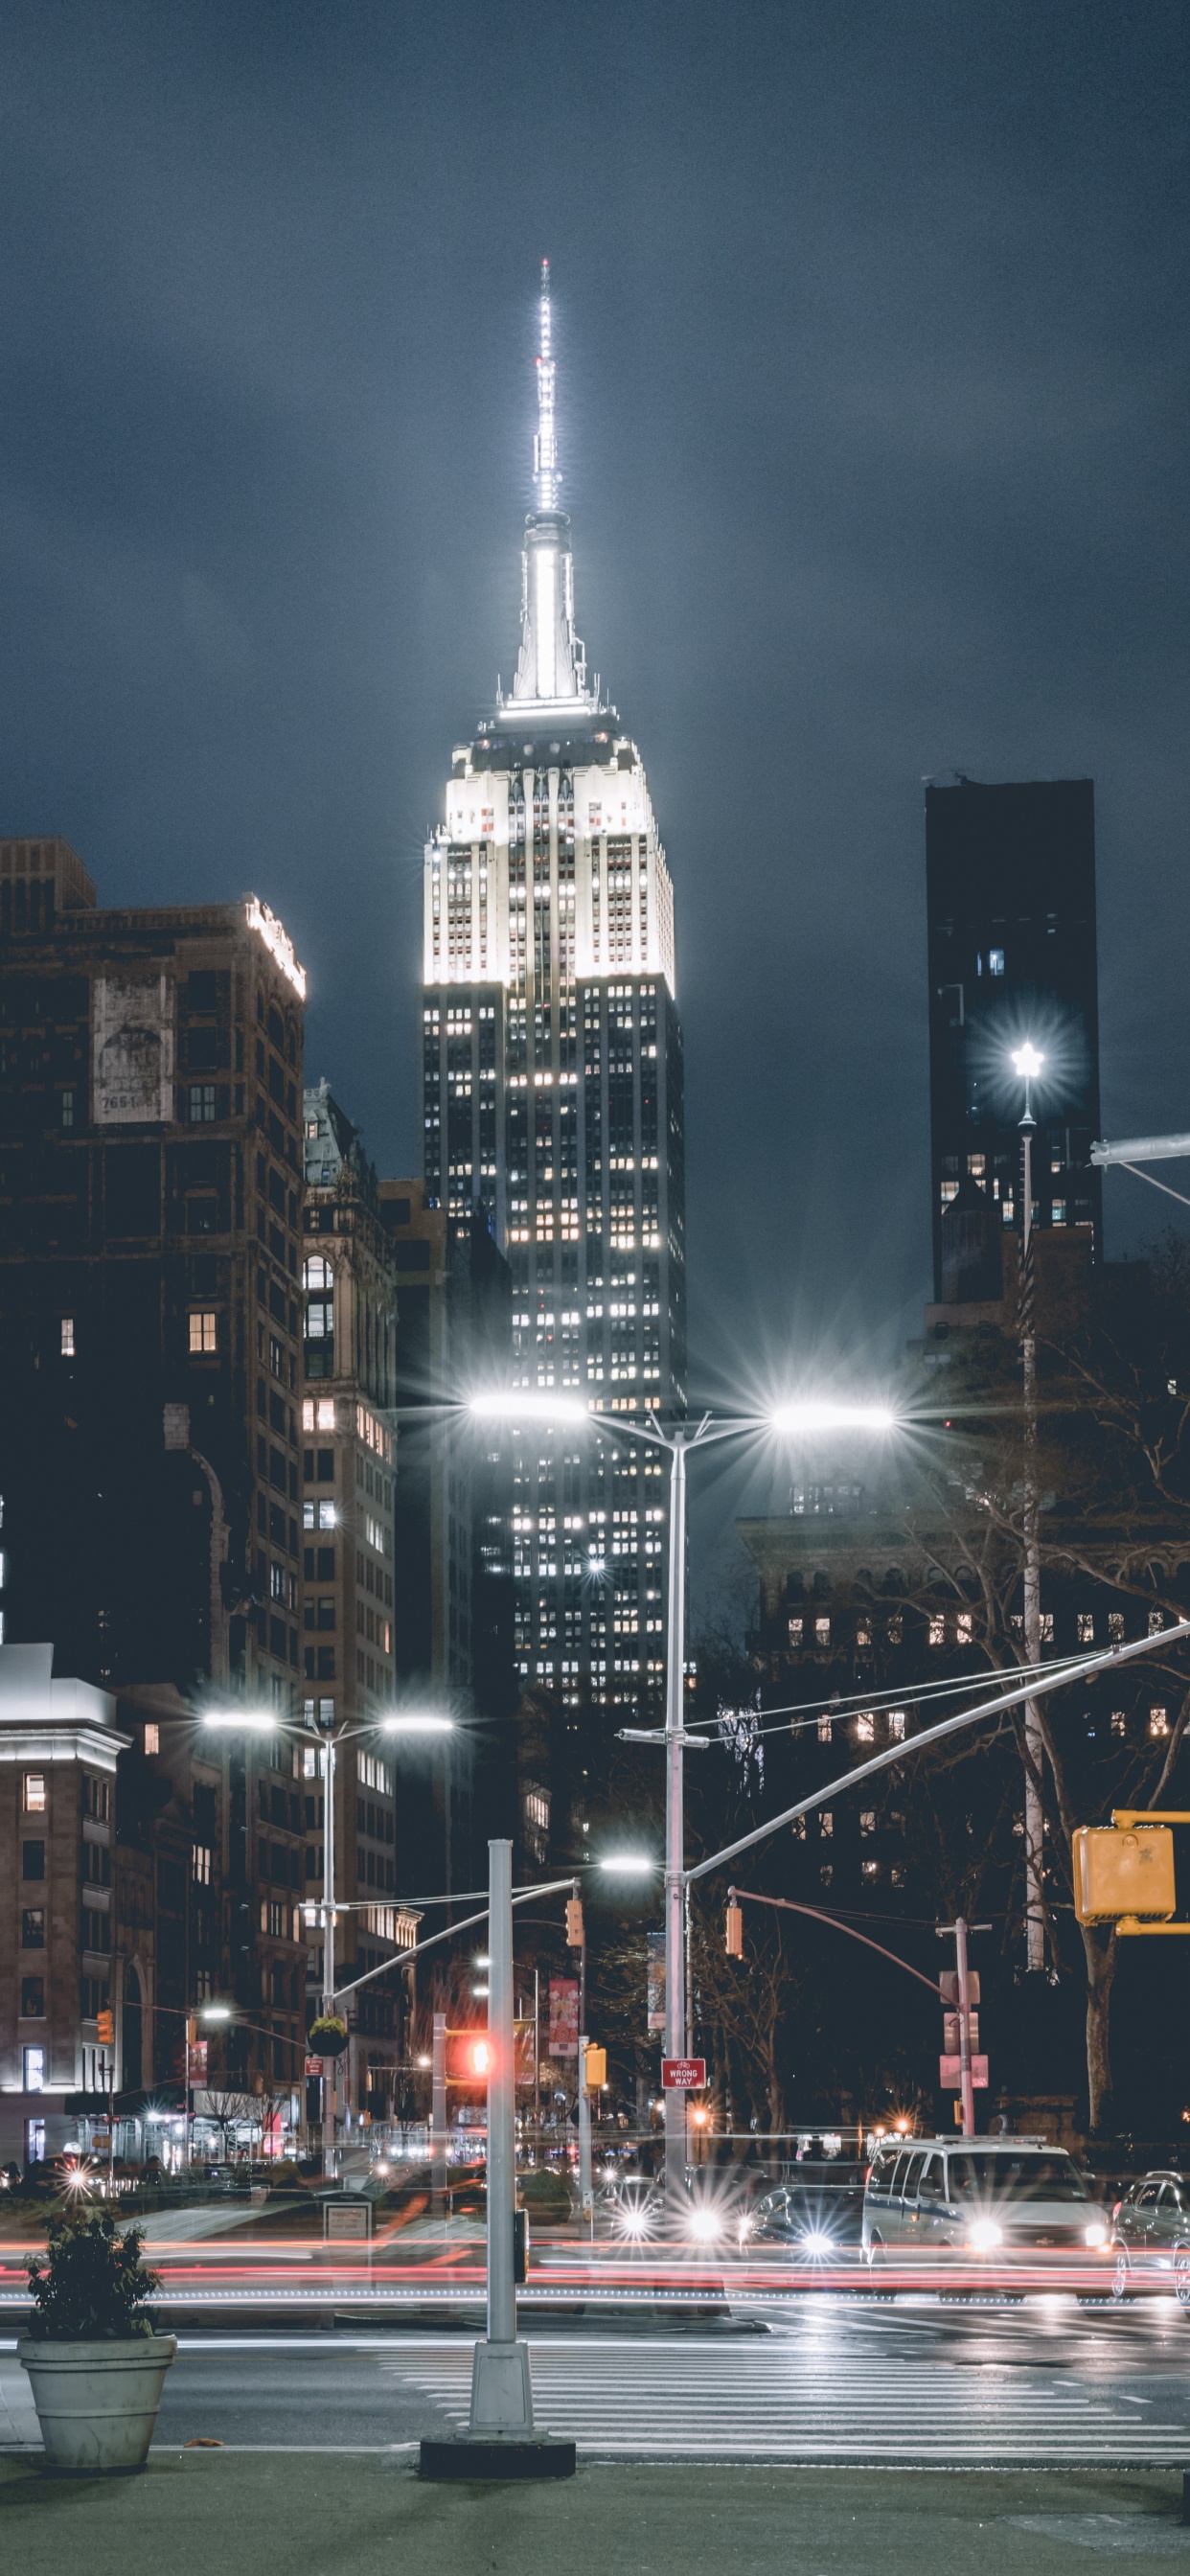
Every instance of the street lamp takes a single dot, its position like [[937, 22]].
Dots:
[[407, 1722], [804, 1415], [1027, 1064]]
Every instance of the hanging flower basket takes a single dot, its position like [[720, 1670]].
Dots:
[[327, 2037]]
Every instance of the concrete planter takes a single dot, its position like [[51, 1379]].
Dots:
[[97, 2402]]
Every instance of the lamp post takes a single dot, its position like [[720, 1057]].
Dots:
[[1028, 1063], [261, 1722], [673, 1736]]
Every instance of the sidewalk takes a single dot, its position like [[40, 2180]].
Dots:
[[348, 2514]]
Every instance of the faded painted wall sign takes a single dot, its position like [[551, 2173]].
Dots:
[[133, 1049]]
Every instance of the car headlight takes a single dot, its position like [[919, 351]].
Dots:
[[815, 2241], [1096, 2233], [703, 2224], [983, 2234]]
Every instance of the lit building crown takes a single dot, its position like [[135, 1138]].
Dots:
[[551, 672]]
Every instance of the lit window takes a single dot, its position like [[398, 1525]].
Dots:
[[1158, 1722], [937, 1629], [977, 1166], [824, 1730], [1156, 1623], [34, 2070], [795, 1631], [326, 1413], [948, 1190], [1115, 1627], [896, 1726], [68, 1337], [826, 1823], [869, 1869], [317, 1274], [152, 1739], [963, 1628], [1118, 1722], [1086, 1628], [202, 1330], [867, 1820], [822, 1632], [202, 1104], [995, 961], [277, 1582], [1047, 1627], [200, 1864], [33, 1799], [308, 1417], [1057, 1211], [865, 1728]]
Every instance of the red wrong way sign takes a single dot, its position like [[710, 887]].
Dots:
[[683, 2074]]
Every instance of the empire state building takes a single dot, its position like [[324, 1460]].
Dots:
[[552, 1091]]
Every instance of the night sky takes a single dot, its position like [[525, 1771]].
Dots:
[[872, 332]]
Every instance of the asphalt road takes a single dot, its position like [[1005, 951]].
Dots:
[[811, 2380]]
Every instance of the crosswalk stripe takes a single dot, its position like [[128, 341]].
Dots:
[[778, 2403]]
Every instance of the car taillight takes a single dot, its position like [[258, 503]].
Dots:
[[1116, 2208]]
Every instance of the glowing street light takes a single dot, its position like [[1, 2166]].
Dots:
[[817, 1416], [241, 1721], [516, 1404], [215, 2012], [628, 1864], [1027, 1061], [432, 1725]]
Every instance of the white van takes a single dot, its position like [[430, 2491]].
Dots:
[[992, 2198]]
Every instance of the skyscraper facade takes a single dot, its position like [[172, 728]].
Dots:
[[1010, 874], [552, 1091]]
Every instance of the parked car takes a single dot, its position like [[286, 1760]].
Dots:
[[1151, 2236], [994, 2200], [634, 2203], [814, 2216]]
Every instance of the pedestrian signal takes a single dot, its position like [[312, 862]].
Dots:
[[1119, 1872], [596, 2069], [735, 1931], [470, 2057], [574, 1923], [107, 2030]]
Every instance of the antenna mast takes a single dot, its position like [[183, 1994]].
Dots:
[[545, 446]]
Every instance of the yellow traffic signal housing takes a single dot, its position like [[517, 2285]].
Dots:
[[1123, 1872], [574, 1923], [107, 2030], [735, 1931], [596, 2068]]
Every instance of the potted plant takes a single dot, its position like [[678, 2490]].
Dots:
[[327, 2036], [95, 2361]]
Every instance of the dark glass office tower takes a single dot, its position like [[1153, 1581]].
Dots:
[[1010, 878]]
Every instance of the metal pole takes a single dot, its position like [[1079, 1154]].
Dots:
[[501, 2389], [1034, 1817], [585, 2191], [537, 2055], [968, 2090], [438, 2132], [675, 1854], [328, 1957]]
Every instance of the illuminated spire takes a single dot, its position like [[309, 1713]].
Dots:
[[551, 672], [545, 445]]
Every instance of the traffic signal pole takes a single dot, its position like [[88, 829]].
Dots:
[[501, 2384]]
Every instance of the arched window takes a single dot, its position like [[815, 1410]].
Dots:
[[317, 1273]]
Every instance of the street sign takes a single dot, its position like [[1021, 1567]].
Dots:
[[949, 1983], [313, 2066], [950, 2073], [683, 2074]]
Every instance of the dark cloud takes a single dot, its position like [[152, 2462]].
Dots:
[[873, 330]]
